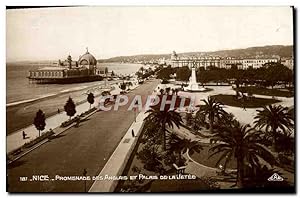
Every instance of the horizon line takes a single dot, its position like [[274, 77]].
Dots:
[[147, 54]]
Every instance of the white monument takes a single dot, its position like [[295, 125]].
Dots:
[[193, 85]]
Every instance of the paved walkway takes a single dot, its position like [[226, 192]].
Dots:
[[117, 162], [15, 140]]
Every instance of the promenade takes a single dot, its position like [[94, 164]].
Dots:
[[117, 162], [88, 147], [15, 140]]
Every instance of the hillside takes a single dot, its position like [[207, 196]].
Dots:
[[277, 50]]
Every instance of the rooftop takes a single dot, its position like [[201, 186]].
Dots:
[[52, 68]]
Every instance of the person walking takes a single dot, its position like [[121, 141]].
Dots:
[[132, 133], [24, 135], [243, 103]]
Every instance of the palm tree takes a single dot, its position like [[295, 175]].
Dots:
[[242, 143], [162, 118], [274, 118], [212, 109], [180, 146]]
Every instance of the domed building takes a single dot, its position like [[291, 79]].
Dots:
[[89, 61], [68, 71]]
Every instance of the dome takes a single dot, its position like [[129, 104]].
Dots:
[[87, 59]]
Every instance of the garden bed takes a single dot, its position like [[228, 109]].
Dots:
[[252, 102], [69, 122], [77, 118], [265, 91]]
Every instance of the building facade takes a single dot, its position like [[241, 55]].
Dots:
[[68, 71], [224, 62], [228, 62], [257, 62], [193, 61]]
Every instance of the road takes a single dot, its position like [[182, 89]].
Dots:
[[87, 147]]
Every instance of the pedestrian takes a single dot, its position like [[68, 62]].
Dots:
[[132, 132], [58, 111], [244, 107], [24, 135], [243, 103], [77, 123]]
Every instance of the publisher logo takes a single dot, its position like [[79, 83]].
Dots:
[[275, 177]]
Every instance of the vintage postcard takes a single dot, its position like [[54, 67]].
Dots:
[[150, 99]]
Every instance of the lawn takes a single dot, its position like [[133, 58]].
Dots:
[[265, 91], [231, 100], [203, 158]]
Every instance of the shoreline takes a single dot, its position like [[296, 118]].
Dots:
[[25, 119]]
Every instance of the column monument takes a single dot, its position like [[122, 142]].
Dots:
[[193, 85]]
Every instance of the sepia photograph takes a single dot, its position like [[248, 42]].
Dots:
[[144, 99]]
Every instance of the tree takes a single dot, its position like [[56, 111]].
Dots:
[[139, 74], [274, 118], [202, 76], [142, 70], [70, 107], [162, 91], [167, 90], [123, 86], [163, 118], [39, 121], [149, 154], [91, 99], [212, 109], [277, 73], [165, 73], [180, 146], [151, 158], [189, 118], [199, 121], [240, 142], [183, 73]]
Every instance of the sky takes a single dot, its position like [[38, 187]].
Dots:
[[54, 33]]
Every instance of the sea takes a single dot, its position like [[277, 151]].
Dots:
[[23, 98], [19, 90]]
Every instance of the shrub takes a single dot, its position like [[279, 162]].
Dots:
[[77, 118], [38, 139], [69, 122], [165, 81]]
